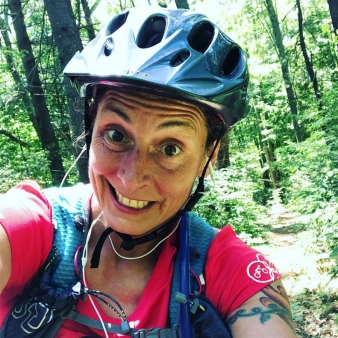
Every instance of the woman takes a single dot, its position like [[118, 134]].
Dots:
[[161, 88]]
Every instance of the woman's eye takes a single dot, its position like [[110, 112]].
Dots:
[[115, 135], [171, 149]]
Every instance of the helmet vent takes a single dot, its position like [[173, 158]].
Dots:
[[151, 32], [108, 46], [201, 36], [179, 58], [231, 61], [116, 23]]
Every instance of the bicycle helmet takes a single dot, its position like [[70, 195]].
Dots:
[[171, 52]]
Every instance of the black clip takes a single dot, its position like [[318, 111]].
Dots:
[[84, 293], [79, 223], [125, 328], [194, 304]]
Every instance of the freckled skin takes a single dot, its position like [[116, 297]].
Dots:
[[138, 167]]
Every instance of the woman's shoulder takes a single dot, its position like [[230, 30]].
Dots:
[[237, 269], [24, 203], [227, 244]]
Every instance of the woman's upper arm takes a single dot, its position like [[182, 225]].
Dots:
[[5, 258], [266, 314], [26, 234]]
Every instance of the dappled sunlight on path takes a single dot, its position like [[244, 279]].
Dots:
[[290, 246]]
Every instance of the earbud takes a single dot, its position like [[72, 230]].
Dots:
[[210, 167]]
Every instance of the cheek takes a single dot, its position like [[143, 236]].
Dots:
[[178, 183], [99, 162]]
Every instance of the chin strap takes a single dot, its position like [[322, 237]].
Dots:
[[128, 242]]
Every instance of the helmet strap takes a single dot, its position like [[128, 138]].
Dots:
[[88, 125]]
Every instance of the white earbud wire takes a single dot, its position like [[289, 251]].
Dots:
[[72, 166], [84, 262]]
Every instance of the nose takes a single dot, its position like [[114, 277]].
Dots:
[[134, 170]]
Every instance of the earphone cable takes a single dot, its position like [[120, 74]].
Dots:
[[72, 166], [147, 253], [84, 262], [96, 294]]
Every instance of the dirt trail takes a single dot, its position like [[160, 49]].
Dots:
[[305, 275]]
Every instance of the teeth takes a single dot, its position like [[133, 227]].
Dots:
[[131, 203]]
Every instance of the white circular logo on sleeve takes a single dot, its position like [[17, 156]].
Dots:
[[261, 270]]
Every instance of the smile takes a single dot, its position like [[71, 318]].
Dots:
[[131, 203]]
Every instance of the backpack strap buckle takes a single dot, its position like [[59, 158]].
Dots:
[[156, 333]]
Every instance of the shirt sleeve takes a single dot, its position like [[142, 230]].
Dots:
[[235, 272], [26, 217]]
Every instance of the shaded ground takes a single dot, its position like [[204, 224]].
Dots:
[[313, 295]]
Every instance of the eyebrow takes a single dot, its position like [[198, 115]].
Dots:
[[114, 110], [175, 123]]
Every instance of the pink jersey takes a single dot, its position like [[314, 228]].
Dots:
[[233, 272]]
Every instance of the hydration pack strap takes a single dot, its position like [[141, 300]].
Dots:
[[134, 333], [156, 333], [77, 317], [201, 235], [184, 312]]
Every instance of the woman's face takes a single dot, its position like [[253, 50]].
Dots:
[[145, 155]]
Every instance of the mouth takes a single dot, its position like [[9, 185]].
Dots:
[[134, 204]]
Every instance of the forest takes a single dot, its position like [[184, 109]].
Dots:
[[283, 156]]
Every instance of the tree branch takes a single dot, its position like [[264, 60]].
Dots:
[[14, 139]]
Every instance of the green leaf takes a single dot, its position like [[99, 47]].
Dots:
[[326, 27], [297, 317]]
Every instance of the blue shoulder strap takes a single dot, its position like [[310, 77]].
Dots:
[[66, 204], [200, 236]]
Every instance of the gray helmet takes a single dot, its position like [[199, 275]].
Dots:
[[171, 52]]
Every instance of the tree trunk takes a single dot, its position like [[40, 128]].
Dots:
[[16, 76], [270, 157], [68, 42], [285, 68], [89, 22], [182, 4], [333, 6], [34, 87], [308, 64], [266, 153]]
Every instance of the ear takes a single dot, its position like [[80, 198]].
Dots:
[[212, 160]]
